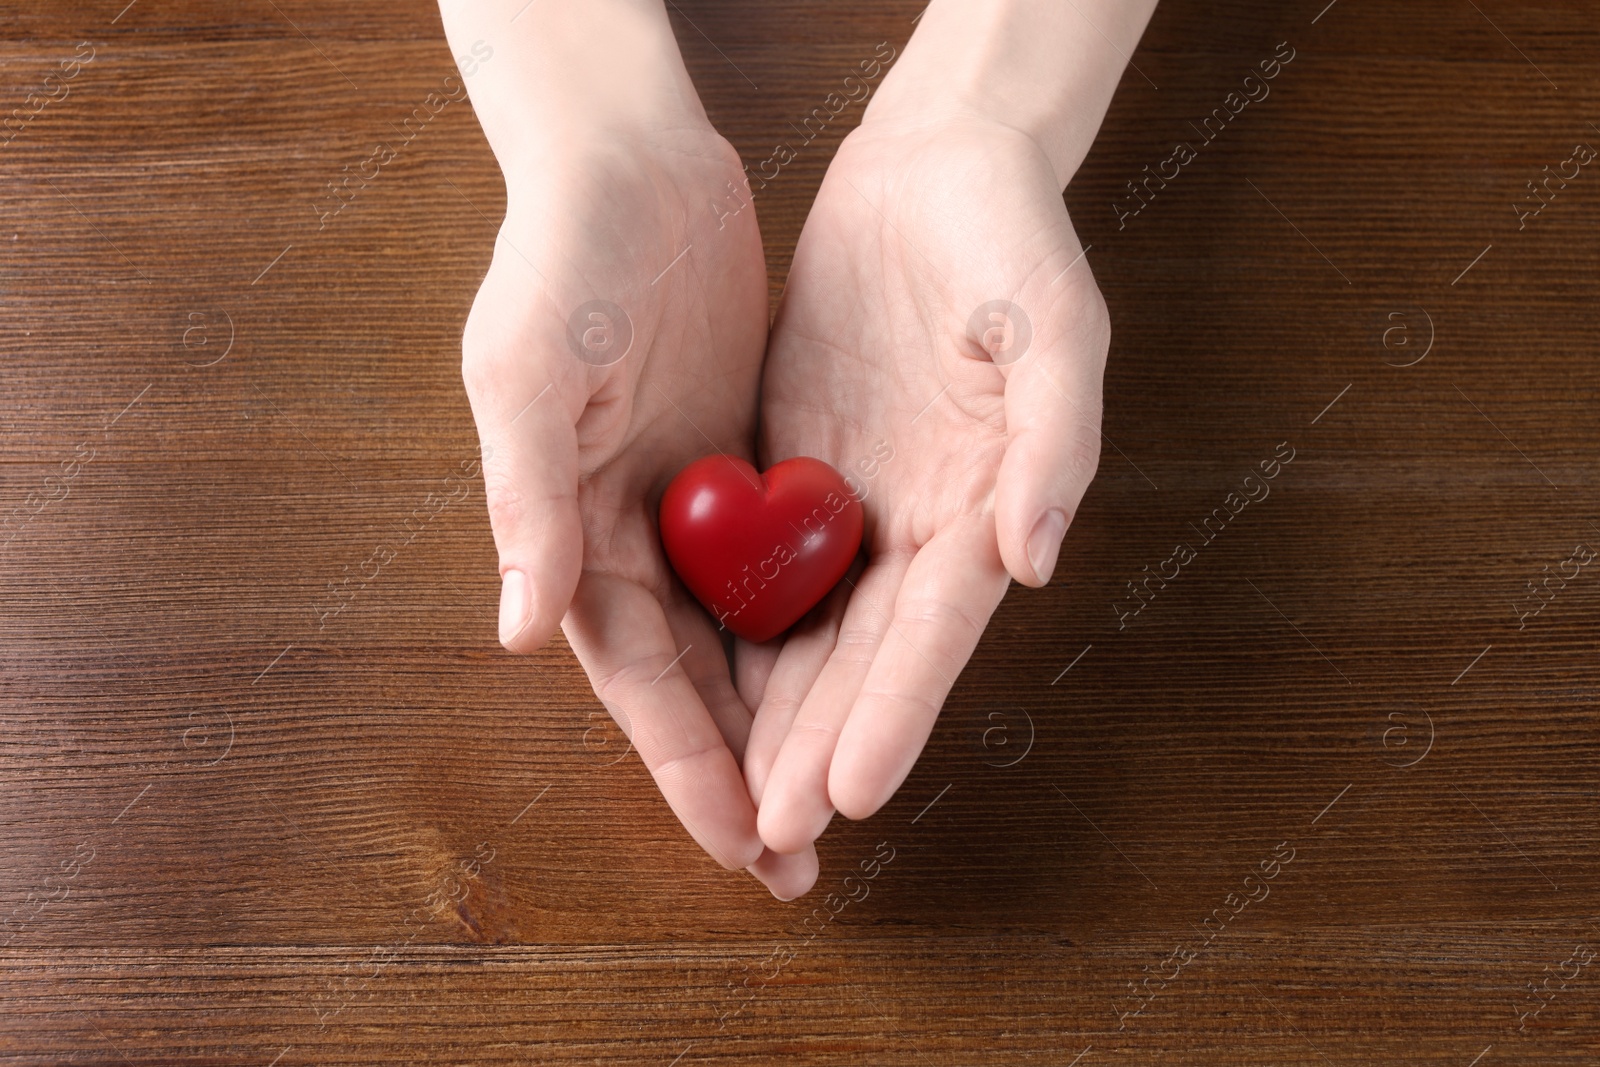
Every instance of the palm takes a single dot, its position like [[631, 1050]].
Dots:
[[872, 356]]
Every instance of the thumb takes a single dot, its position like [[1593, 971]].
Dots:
[[531, 484], [1053, 404], [530, 479]]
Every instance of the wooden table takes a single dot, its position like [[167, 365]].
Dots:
[[271, 793]]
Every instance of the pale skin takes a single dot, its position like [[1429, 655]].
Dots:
[[946, 198]]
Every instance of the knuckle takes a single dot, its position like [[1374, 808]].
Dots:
[[607, 685], [619, 685], [1083, 447], [680, 762], [484, 368], [493, 347], [506, 502], [783, 707], [941, 616], [1085, 318], [920, 703], [820, 732], [856, 646]]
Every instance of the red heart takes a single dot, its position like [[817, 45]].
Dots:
[[759, 551]]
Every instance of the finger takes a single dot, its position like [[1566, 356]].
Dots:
[[706, 664], [752, 666], [795, 669], [530, 476], [787, 877], [620, 635], [952, 587], [1053, 401], [795, 808]]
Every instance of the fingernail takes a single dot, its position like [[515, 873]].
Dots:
[[1044, 544], [514, 606], [773, 889]]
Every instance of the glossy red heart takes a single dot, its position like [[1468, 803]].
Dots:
[[759, 550]]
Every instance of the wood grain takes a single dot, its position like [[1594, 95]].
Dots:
[[241, 829]]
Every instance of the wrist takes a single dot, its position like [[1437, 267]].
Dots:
[[1047, 70], [543, 95]]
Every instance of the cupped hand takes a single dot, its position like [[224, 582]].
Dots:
[[942, 341], [619, 335]]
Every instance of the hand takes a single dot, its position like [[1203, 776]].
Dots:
[[587, 412], [992, 438]]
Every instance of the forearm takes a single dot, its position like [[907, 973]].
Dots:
[[564, 71], [1045, 67]]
